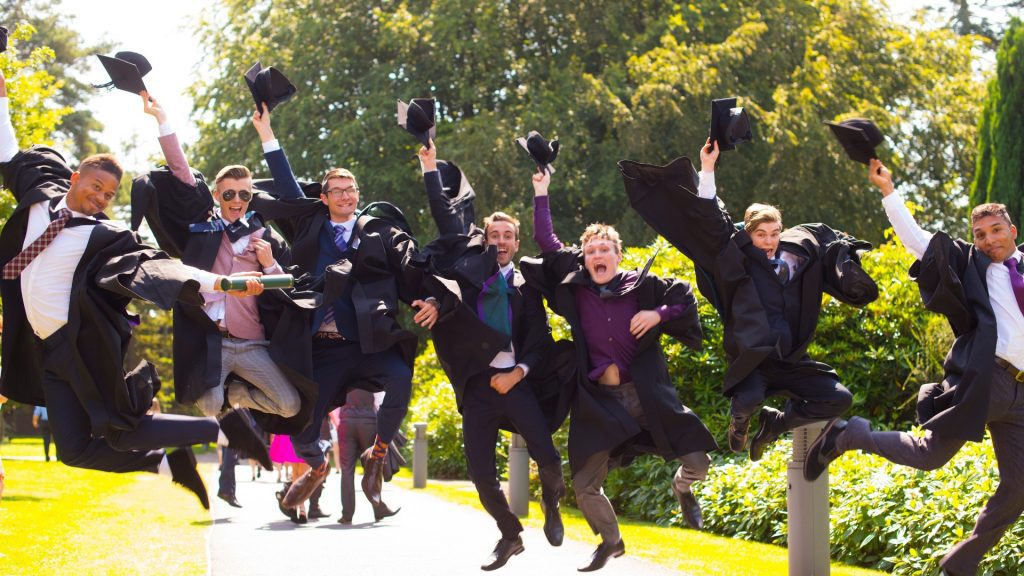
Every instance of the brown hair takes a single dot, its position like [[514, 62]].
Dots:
[[105, 162], [601, 231], [338, 173], [990, 209], [501, 217], [758, 214], [235, 172]]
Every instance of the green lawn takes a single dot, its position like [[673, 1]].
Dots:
[[60, 520], [688, 551]]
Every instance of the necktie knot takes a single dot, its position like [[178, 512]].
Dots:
[[781, 268], [1011, 263]]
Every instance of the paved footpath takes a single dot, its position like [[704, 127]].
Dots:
[[430, 536]]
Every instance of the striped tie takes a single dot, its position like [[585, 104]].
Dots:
[[14, 268]]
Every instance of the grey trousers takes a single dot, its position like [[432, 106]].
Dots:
[[271, 392], [588, 481], [354, 436], [932, 451]]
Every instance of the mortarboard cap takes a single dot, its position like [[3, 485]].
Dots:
[[3, 39], [268, 86], [417, 117], [126, 70], [730, 125], [858, 137], [542, 151]]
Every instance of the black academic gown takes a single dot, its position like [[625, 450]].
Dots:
[[725, 259], [465, 345], [952, 279], [598, 421], [115, 268], [381, 273], [179, 216]]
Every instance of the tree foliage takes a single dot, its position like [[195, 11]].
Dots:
[[78, 129], [999, 176], [612, 80]]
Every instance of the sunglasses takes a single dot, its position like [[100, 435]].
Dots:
[[229, 195]]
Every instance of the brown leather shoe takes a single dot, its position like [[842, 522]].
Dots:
[[373, 479], [303, 487]]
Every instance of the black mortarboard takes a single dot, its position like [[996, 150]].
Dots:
[[126, 70], [730, 125], [858, 137], [417, 117], [542, 151], [3, 39], [268, 86]]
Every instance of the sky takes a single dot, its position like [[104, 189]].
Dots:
[[163, 31]]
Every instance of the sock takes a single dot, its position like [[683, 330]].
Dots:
[[164, 469], [380, 449]]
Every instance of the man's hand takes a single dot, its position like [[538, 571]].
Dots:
[[152, 107], [261, 121], [502, 382], [428, 157], [643, 321], [252, 287], [879, 175], [427, 313], [264, 251], [541, 180], [708, 156]]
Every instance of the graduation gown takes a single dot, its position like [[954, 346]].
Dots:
[[724, 258], [952, 279], [598, 422], [115, 268], [182, 219]]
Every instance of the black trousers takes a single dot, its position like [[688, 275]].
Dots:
[[483, 410], [339, 365], [228, 461], [121, 450], [812, 390], [44, 429]]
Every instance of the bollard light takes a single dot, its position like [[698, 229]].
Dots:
[[419, 456], [807, 503], [518, 477]]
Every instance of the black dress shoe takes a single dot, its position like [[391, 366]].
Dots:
[[602, 554], [344, 520], [553, 529], [690, 508], [381, 511], [243, 437], [229, 498], [823, 450], [503, 550], [183, 472], [768, 432], [315, 513]]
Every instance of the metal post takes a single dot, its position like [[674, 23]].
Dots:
[[518, 477], [807, 503], [419, 456]]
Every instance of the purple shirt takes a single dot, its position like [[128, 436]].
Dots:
[[604, 321]]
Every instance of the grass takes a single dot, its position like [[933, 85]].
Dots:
[[687, 551], [60, 520]]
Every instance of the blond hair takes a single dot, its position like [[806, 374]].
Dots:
[[758, 214], [234, 172], [501, 217], [338, 173], [599, 231]]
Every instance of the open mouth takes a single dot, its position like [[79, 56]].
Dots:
[[600, 269], [235, 212]]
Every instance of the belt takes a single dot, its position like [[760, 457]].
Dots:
[[1012, 370], [322, 335]]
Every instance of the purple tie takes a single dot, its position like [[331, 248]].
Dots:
[[339, 238], [1017, 281]]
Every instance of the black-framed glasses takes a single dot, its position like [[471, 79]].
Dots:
[[229, 195]]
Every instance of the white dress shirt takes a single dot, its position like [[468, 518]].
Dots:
[[1009, 319]]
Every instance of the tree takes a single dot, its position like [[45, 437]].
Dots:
[[612, 80], [999, 175], [985, 18], [78, 129], [30, 90]]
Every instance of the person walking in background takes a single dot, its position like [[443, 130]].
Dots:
[[357, 426], [41, 422]]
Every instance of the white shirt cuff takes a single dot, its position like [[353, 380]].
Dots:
[[166, 129], [526, 369], [271, 146], [206, 280], [706, 184]]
